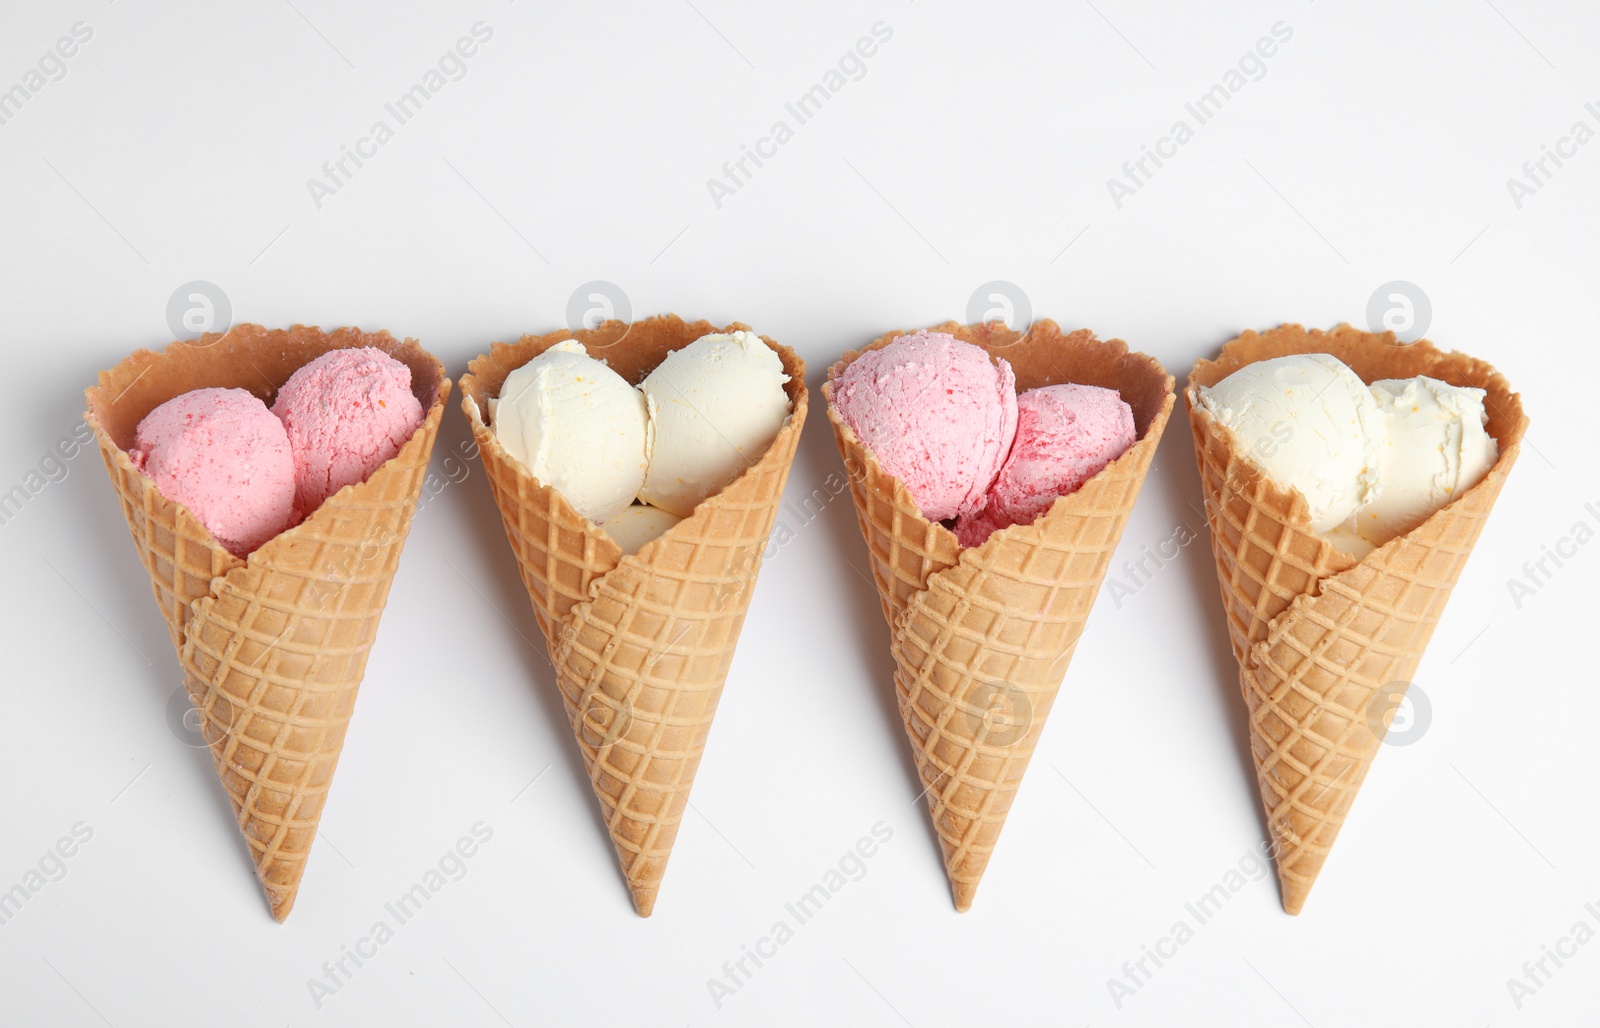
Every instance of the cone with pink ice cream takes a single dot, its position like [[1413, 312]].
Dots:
[[270, 537], [982, 634], [1334, 584]]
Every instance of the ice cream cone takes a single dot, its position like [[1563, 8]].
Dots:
[[272, 647], [641, 645], [982, 637], [1317, 633]]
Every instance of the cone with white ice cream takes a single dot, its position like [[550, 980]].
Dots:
[[1331, 591], [640, 627]]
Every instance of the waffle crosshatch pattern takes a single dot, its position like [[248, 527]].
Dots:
[[272, 648], [982, 637], [1316, 633], [642, 644]]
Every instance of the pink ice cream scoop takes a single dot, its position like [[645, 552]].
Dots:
[[223, 455], [936, 413], [1065, 435], [346, 412]]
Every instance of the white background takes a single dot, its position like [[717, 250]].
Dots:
[[977, 147]]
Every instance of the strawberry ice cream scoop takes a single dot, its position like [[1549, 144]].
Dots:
[[223, 455], [936, 413], [1065, 435], [346, 412]]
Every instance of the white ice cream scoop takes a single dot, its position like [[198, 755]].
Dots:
[[637, 525], [1434, 449], [1311, 424], [577, 426], [714, 408]]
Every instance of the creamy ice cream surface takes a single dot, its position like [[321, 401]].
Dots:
[[1373, 462], [346, 412], [714, 408], [1434, 449], [577, 426], [1065, 434], [222, 454], [637, 525], [1310, 423], [937, 414]]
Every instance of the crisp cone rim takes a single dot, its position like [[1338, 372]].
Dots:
[[1215, 369], [173, 352]]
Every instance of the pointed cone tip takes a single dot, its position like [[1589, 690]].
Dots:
[[644, 898], [1294, 893]]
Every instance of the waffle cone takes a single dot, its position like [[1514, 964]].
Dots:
[[982, 637], [641, 644], [272, 647], [1317, 633]]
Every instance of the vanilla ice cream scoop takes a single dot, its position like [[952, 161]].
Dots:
[[1433, 450], [714, 408], [577, 426], [637, 525], [1311, 424]]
